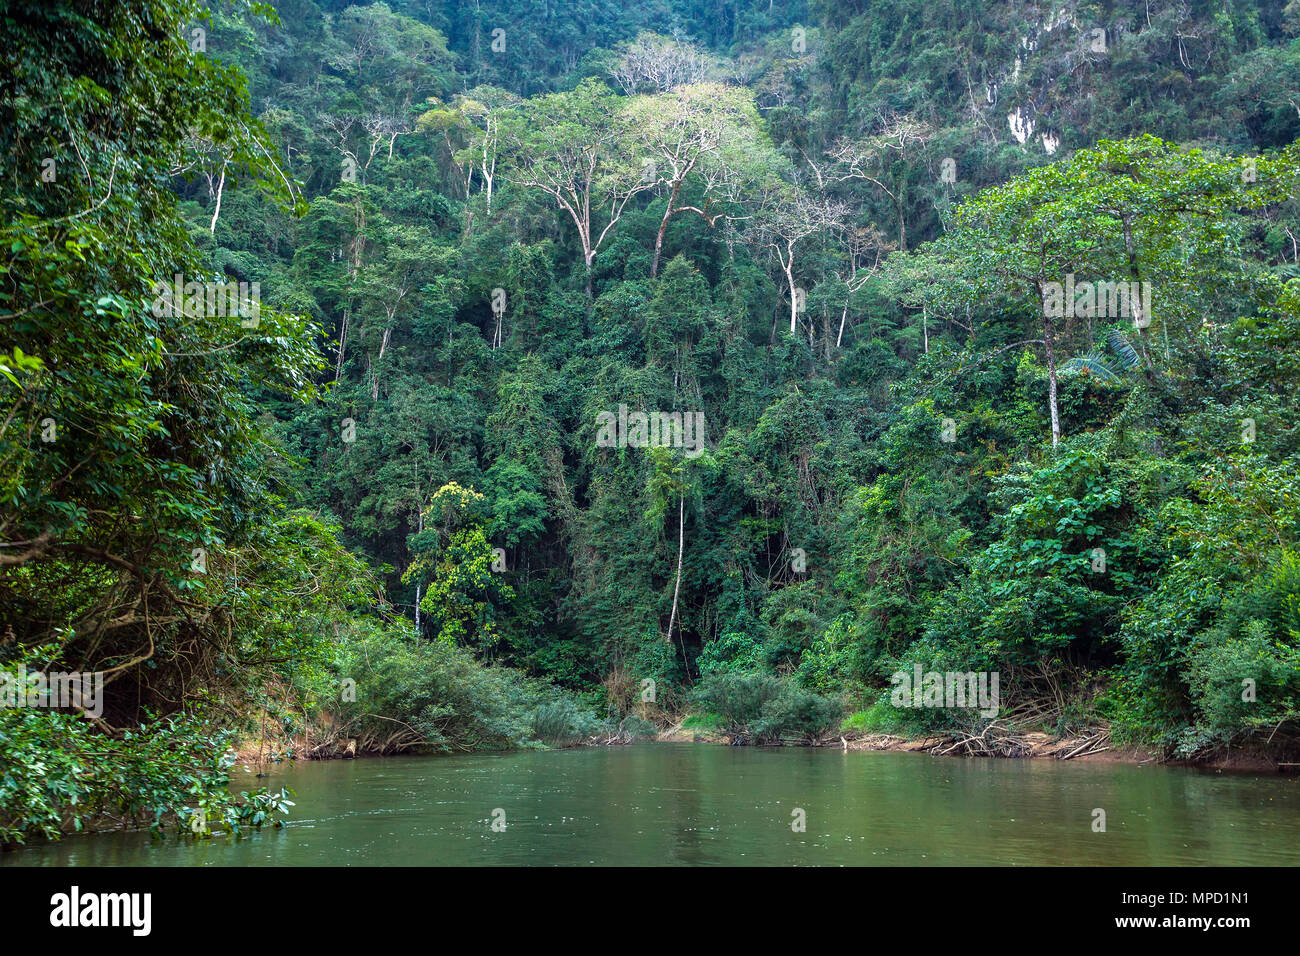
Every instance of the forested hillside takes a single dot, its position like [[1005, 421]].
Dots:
[[980, 321]]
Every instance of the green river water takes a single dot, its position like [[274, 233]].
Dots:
[[681, 803]]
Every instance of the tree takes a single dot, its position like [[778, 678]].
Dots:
[[475, 118], [388, 287], [453, 558], [394, 60], [1132, 212], [654, 63], [885, 160], [576, 148], [670, 478], [702, 131], [795, 216], [336, 231], [139, 537]]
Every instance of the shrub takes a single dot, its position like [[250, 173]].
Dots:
[[59, 772], [1257, 640], [797, 712], [730, 652], [764, 707], [880, 718], [418, 695], [562, 721]]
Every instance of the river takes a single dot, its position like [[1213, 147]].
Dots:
[[682, 803]]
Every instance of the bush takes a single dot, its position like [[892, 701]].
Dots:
[[562, 721], [628, 728], [880, 718], [730, 652], [829, 662], [797, 712], [764, 707], [737, 698], [418, 695], [1257, 640], [59, 772]]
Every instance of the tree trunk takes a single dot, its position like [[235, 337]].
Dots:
[[383, 346], [677, 588], [794, 301], [663, 228], [681, 544], [221, 185], [1051, 379], [343, 339], [1143, 331]]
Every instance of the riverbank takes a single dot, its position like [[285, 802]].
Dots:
[[1085, 748], [1092, 747]]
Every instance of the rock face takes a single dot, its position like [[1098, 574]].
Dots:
[[1022, 125]]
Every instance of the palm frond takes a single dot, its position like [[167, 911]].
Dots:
[[1094, 363], [1124, 351]]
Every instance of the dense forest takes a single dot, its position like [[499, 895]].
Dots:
[[588, 370]]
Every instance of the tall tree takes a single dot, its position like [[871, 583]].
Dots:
[[577, 148], [704, 133]]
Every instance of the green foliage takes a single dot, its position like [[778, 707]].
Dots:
[[457, 565], [414, 695], [467, 252], [730, 652], [563, 721], [765, 708], [61, 772]]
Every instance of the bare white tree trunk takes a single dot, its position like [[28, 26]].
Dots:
[[383, 347], [788, 266], [419, 527], [1051, 381], [681, 545], [221, 185]]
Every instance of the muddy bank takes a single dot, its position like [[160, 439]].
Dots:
[[255, 753], [249, 755], [1095, 746], [1092, 747]]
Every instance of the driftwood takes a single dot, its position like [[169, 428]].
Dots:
[[1018, 730], [1089, 746], [998, 738]]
